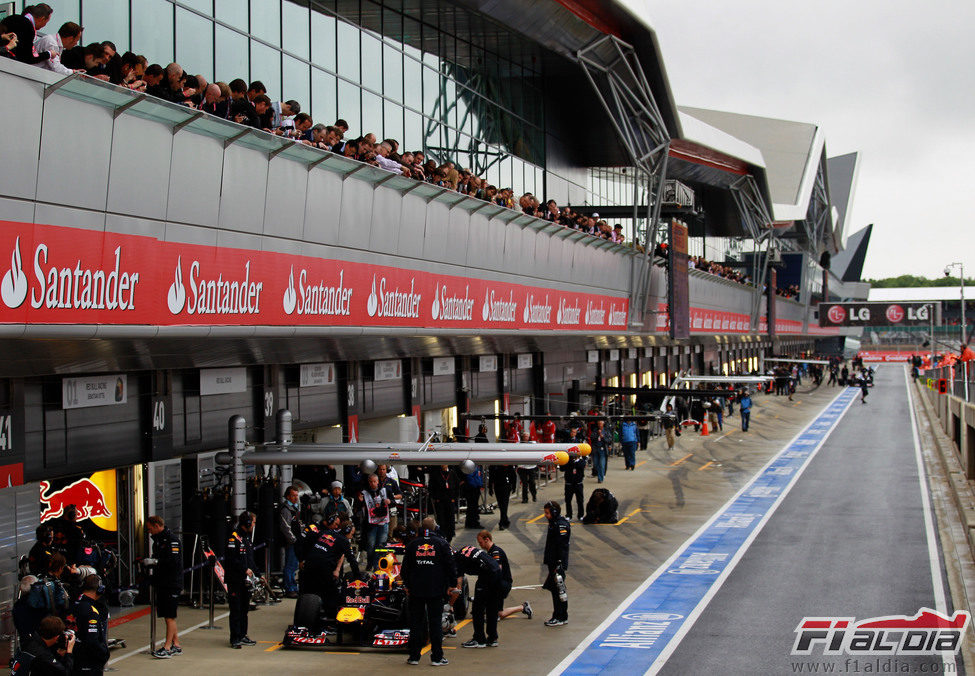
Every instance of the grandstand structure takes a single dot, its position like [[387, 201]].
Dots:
[[168, 269]]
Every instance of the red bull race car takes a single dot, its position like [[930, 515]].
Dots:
[[372, 613]]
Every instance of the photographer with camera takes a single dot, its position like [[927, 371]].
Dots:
[[376, 503], [49, 652]]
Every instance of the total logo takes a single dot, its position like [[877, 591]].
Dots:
[[568, 314], [499, 309], [68, 287], [537, 313], [449, 306], [316, 298], [213, 296], [394, 302]]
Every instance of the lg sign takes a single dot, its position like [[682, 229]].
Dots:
[[876, 314]]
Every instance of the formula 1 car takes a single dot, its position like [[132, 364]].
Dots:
[[372, 613]]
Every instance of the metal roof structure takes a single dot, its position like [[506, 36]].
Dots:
[[918, 293]]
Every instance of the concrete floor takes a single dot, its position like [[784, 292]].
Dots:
[[668, 497]]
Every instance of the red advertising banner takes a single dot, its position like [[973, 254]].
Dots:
[[61, 275], [720, 321]]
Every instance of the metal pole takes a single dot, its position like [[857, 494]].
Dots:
[[267, 573], [964, 328], [152, 618], [213, 592], [285, 437], [236, 444]]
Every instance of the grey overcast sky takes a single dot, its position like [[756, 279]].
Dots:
[[892, 79]]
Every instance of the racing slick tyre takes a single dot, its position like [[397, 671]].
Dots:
[[462, 602], [308, 611]]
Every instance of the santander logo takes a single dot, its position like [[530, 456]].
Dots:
[[176, 298], [13, 288], [290, 299]]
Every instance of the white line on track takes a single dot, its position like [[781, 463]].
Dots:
[[937, 579]]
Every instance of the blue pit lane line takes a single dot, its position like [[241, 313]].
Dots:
[[644, 630]]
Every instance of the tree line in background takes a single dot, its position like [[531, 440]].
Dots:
[[902, 281]]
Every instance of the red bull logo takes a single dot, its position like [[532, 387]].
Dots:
[[87, 498], [357, 584], [426, 550]]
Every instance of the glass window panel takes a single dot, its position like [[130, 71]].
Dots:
[[431, 92], [266, 20], [392, 73], [539, 182], [348, 48], [349, 107], [393, 121], [431, 137], [266, 67], [296, 84], [323, 97], [64, 10], [372, 62], [411, 37], [103, 21], [152, 30], [231, 55], [323, 40], [449, 114], [232, 12], [412, 131], [205, 6], [370, 16], [392, 27], [194, 43], [493, 174], [412, 83], [372, 114], [294, 27]]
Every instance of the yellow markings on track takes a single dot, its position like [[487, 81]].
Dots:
[[638, 509], [642, 462], [621, 521], [677, 462], [538, 518], [460, 625], [274, 647], [705, 465]]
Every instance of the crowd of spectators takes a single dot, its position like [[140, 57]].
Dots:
[[249, 104]]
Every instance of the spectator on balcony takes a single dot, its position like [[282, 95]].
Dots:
[[153, 76], [342, 126], [132, 71], [259, 108], [170, 87], [86, 59], [8, 42], [552, 212], [26, 25], [255, 89], [67, 37], [383, 160], [301, 125], [109, 70], [214, 102], [281, 113]]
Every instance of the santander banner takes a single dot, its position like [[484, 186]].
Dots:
[[59, 275], [721, 321]]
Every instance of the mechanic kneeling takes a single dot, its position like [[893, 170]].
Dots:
[[324, 551]]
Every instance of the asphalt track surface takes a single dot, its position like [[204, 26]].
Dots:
[[849, 540]]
